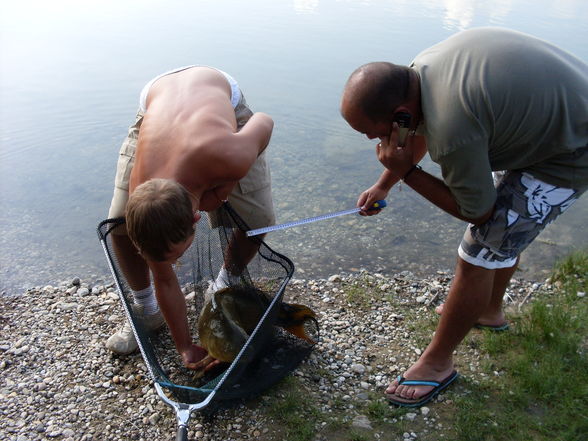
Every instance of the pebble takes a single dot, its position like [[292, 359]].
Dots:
[[358, 368], [361, 422], [60, 382], [410, 416]]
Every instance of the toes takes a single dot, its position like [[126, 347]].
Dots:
[[402, 391], [392, 387], [407, 392], [411, 393], [439, 309]]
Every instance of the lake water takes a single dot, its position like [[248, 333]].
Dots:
[[70, 76]]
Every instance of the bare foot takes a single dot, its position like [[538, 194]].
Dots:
[[485, 319], [419, 371]]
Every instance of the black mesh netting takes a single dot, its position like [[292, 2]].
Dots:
[[269, 353]]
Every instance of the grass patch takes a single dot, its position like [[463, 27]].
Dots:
[[377, 409], [366, 289], [357, 436], [542, 392], [294, 411], [358, 292]]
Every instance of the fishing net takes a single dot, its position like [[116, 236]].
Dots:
[[269, 353]]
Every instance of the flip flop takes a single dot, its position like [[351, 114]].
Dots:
[[438, 387], [497, 328]]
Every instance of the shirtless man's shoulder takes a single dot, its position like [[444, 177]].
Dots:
[[187, 127], [189, 134]]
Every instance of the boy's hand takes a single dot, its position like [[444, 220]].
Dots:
[[192, 355]]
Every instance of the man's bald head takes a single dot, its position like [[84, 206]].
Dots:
[[376, 89]]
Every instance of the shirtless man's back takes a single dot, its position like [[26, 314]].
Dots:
[[189, 134], [193, 131]]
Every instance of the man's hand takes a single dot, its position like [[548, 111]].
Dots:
[[192, 355], [395, 158], [213, 198], [367, 199]]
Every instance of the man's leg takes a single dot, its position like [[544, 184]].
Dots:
[[494, 315], [252, 200], [132, 264], [469, 296], [136, 273], [478, 287], [240, 251]]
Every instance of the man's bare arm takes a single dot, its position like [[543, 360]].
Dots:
[[172, 303], [387, 179], [245, 146], [213, 198], [257, 131], [399, 160], [419, 150], [435, 191], [233, 158]]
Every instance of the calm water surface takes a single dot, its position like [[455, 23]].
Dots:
[[71, 72]]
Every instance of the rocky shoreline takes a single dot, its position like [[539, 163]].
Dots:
[[59, 382]]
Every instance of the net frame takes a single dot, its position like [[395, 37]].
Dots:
[[206, 255]]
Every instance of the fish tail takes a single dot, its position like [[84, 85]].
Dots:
[[293, 317]]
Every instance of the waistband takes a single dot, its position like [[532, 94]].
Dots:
[[235, 91]]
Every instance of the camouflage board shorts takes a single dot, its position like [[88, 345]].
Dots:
[[524, 207]]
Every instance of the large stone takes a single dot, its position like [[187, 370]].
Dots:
[[361, 422]]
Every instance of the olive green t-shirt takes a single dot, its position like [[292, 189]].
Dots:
[[495, 99]]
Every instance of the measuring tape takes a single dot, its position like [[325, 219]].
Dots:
[[376, 206]]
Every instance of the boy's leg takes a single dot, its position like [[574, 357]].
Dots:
[[131, 263]]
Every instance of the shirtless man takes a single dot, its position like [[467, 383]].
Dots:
[[194, 144]]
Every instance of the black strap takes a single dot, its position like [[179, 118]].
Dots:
[[413, 168]]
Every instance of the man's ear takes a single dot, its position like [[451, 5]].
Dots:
[[197, 216]]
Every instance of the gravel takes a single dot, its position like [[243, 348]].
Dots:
[[59, 382]]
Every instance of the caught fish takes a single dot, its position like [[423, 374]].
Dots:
[[230, 316]]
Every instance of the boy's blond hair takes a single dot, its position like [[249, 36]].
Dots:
[[158, 214]]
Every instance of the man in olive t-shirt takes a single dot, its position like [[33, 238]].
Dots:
[[505, 115]]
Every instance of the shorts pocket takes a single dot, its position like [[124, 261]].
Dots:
[[123, 171], [258, 176], [129, 145]]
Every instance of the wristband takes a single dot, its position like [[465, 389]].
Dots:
[[413, 168]]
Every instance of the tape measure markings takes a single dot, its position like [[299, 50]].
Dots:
[[377, 205]]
